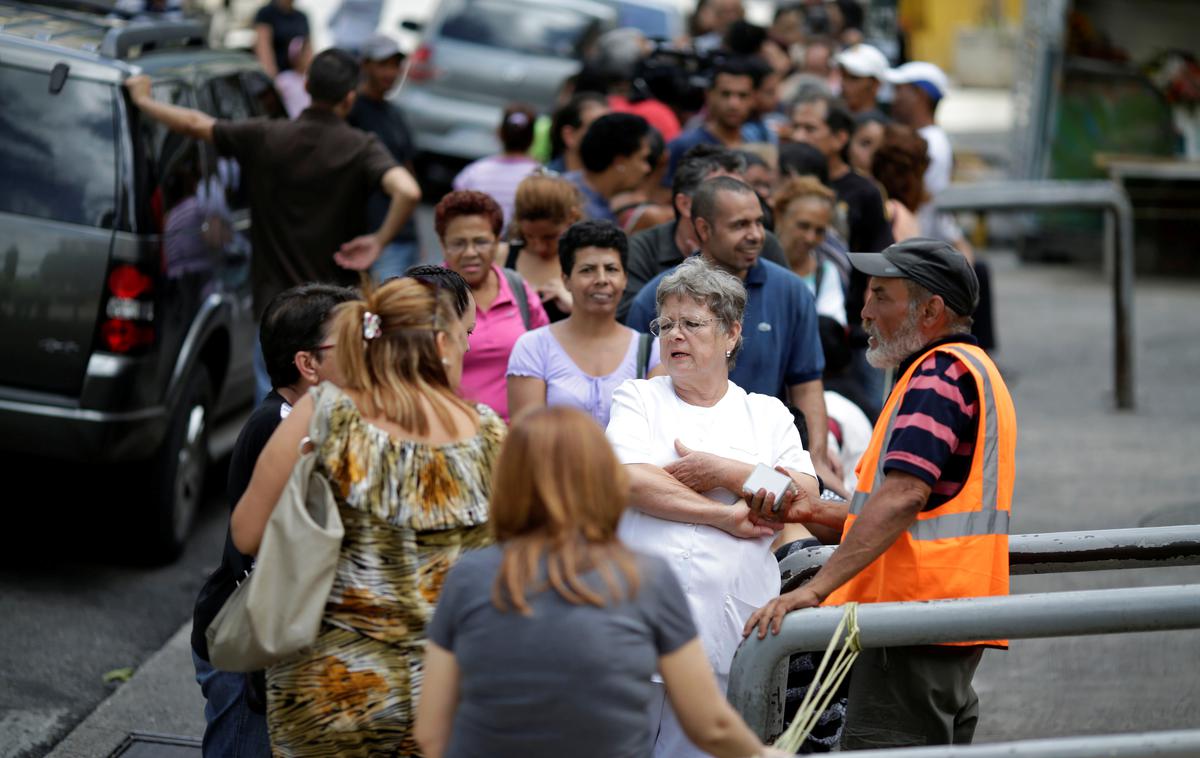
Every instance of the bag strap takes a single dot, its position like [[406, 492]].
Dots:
[[517, 285], [645, 342]]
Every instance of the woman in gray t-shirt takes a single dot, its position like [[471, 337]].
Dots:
[[545, 644]]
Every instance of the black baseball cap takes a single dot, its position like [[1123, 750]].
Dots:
[[933, 264]]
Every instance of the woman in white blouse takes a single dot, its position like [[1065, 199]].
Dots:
[[689, 440]]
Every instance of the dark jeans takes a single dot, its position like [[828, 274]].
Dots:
[[232, 730], [907, 696]]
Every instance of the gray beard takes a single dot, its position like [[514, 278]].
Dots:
[[891, 353]]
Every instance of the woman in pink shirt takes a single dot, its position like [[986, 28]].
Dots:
[[468, 224]]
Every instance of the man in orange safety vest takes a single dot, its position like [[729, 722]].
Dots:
[[929, 517]]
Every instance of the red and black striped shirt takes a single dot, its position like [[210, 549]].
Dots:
[[934, 434]]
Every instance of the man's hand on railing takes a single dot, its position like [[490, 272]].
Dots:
[[771, 615]]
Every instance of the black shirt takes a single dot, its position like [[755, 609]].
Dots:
[[653, 251], [308, 181], [553, 312], [385, 121], [221, 583], [285, 26], [870, 232]]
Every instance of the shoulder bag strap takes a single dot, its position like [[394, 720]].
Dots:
[[645, 342], [517, 285]]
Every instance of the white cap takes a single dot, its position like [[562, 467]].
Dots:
[[926, 75], [863, 60]]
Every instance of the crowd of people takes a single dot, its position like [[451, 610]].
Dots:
[[658, 298]]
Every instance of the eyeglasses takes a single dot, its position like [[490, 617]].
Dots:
[[320, 348], [661, 326], [482, 244]]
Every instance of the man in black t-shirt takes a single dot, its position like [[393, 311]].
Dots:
[[276, 24], [825, 123], [308, 182], [297, 344], [381, 62]]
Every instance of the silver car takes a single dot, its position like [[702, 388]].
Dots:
[[478, 55]]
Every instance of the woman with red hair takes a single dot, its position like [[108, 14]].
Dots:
[[468, 224]]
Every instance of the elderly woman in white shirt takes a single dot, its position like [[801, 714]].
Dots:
[[689, 441]]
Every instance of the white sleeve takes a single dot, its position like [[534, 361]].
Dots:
[[831, 301], [629, 425]]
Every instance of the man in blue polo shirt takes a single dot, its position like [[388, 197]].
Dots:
[[781, 354]]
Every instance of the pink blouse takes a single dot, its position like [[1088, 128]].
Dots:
[[496, 331]]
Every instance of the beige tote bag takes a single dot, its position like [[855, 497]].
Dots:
[[277, 610]]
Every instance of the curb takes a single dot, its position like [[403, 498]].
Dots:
[[162, 697]]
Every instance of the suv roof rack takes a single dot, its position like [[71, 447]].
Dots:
[[119, 42], [87, 6], [115, 31]]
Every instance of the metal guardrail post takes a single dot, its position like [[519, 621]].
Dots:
[[1101, 195], [1053, 614], [1057, 552], [1168, 744]]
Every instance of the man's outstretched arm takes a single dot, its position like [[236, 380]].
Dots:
[[186, 121]]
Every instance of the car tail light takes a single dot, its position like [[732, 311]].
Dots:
[[125, 281], [128, 310], [420, 65]]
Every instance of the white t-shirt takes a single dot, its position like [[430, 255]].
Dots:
[[856, 434], [937, 178], [831, 300], [725, 578]]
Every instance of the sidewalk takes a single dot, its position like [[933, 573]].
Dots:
[[161, 698], [1080, 465]]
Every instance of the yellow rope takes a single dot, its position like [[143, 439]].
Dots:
[[821, 691]]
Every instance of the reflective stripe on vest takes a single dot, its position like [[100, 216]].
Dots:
[[959, 548]]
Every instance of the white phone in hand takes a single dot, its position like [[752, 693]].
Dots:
[[766, 478]]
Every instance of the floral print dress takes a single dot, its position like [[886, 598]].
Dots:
[[409, 510]]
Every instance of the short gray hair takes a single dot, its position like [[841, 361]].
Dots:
[[918, 295], [721, 292]]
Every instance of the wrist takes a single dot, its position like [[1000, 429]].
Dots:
[[734, 475]]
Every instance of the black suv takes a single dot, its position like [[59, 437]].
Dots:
[[126, 327]]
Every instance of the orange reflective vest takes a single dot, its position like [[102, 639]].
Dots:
[[960, 548]]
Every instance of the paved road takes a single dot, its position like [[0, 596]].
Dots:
[[74, 606], [1081, 465]]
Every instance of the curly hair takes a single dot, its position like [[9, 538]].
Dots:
[[591, 233], [900, 164], [467, 203]]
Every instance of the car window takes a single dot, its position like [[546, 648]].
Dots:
[[531, 29], [264, 99], [59, 151], [229, 101], [180, 201]]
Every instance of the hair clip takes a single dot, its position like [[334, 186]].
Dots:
[[517, 118], [371, 326]]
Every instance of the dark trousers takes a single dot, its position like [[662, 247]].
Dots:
[[907, 696]]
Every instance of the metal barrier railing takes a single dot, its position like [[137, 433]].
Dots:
[[1107, 196], [757, 681], [1056, 552], [1169, 744]]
